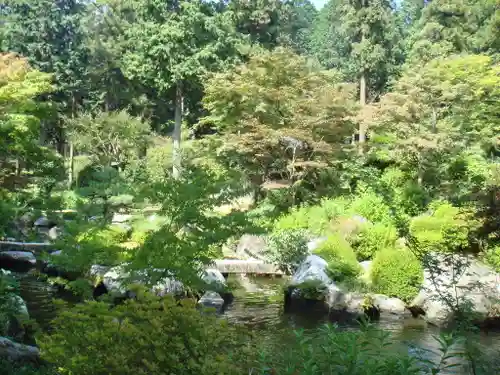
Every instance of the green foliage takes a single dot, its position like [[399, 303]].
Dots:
[[282, 118], [287, 248], [315, 219], [372, 207], [396, 272], [86, 243], [11, 368], [341, 259], [109, 137], [330, 350], [10, 303], [144, 336], [188, 239], [406, 197], [312, 290], [492, 256], [21, 156], [373, 238], [444, 229], [356, 38]]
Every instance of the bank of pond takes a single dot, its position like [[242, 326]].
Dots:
[[277, 309]]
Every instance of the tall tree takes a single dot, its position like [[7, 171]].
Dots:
[[19, 125], [279, 116], [441, 110], [172, 45], [362, 39], [454, 26], [50, 35]]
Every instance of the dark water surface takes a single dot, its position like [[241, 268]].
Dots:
[[258, 304]]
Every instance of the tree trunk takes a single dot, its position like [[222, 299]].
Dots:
[[362, 96], [362, 103], [71, 165], [71, 147], [176, 136]]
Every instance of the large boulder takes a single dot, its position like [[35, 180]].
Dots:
[[117, 281], [389, 306], [13, 259], [311, 282], [214, 279], [252, 247], [212, 300], [453, 280], [18, 352]]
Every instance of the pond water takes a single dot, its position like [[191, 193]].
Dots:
[[258, 304]]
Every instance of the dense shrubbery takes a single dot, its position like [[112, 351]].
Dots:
[[396, 272], [342, 263], [373, 238], [287, 248], [145, 336], [316, 219], [444, 229]]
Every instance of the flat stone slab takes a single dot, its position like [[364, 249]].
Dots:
[[250, 266]]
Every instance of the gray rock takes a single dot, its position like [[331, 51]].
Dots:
[[311, 281], [25, 257], [452, 280], [212, 300], [18, 352], [54, 233], [168, 286], [214, 278], [42, 221], [312, 269], [389, 306], [97, 271], [117, 280], [252, 247]]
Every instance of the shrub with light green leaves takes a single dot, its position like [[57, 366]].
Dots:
[[149, 335], [397, 273], [341, 259], [287, 248], [372, 207], [492, 257], [316, 219], [373, 238], [83, 245], [444, 229]]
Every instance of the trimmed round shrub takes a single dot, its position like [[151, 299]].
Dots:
[[397, 273], [341, 259], [373, 238]]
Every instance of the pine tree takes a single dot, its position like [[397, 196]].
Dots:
[[172, 45]]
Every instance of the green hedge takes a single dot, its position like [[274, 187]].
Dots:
[[397, 273]]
